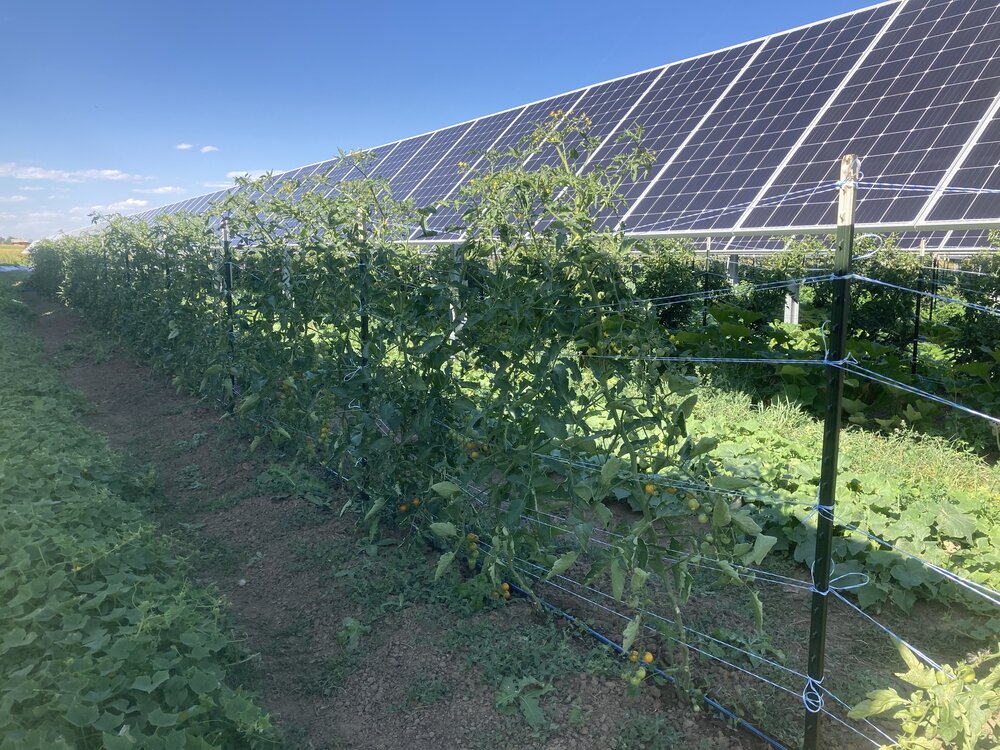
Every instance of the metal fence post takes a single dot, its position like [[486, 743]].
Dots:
[[839, 315]]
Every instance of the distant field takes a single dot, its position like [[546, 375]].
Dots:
[[10, 255]]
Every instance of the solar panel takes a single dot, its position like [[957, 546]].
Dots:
[[511, 137], [672, 110], [438, 147], [908, 111], [733, 154], [442, 179], [981, 169], [745, 137]]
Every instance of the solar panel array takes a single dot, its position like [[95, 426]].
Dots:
[[742, 136]]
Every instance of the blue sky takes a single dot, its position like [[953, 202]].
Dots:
[[99, 97]]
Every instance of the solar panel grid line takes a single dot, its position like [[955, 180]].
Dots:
[[622, 123], [734, 153], [511, 137], [859, 63], [437, 163], [692, 132], [432, 152], [959, 162], [909, 111]]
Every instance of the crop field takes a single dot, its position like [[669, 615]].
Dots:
[[622, 433], [13, 255]]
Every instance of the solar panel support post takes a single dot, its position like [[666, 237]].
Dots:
[[704, 284], [836, 349], [934, 288], [227, 291], [916, 310], [363, 333]]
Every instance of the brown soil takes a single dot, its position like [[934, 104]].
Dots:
[[249, 545]]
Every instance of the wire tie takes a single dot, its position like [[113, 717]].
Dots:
[[812, 695]]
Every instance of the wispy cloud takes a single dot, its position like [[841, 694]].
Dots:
[[129, 205], [164, 190], [217, 185], [183, 146], [208, 149], [253, 174], [13, 198], [26, 188], [25, 172]]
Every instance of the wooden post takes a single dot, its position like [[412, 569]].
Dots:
[[822, 563]]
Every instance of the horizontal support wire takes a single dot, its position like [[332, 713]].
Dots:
[[981, 590], [895, 636], [856, 369], [949, 190], [931, 295], [707, 654]]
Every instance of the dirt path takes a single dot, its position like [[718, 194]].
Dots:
[[354, 647]]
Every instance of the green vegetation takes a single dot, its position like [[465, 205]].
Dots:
[[104, 643], [516, 400]]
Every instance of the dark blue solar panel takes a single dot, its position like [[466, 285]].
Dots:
[[908, 111], [390, 163], [525, 124], [980, 170], [672, 108], [604, 106], [738, 148], [441, 181], [416, 169]]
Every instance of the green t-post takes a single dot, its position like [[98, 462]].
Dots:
[[837, 345]]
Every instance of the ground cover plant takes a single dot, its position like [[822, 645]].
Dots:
[[104, 643], [517, 401]]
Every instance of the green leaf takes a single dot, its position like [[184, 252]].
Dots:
[[877, 702], [430, 344], [554, 428], [82, 716], [561, 565], [376, 507], [617, 579], [758, 611], [610, 470], [158, 718], [444, 529], [721, 515], [743, 521], [761, 546], [956, 524], [447, 490], [443, 562], [631, 632]]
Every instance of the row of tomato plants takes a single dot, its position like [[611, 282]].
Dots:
[[468, 389]]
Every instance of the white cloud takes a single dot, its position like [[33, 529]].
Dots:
[[26, 188], [13, 198], [25, 172], [208, 149], [183, 146], [253, 174], [129, 205], [217, 185], [164, 190]]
